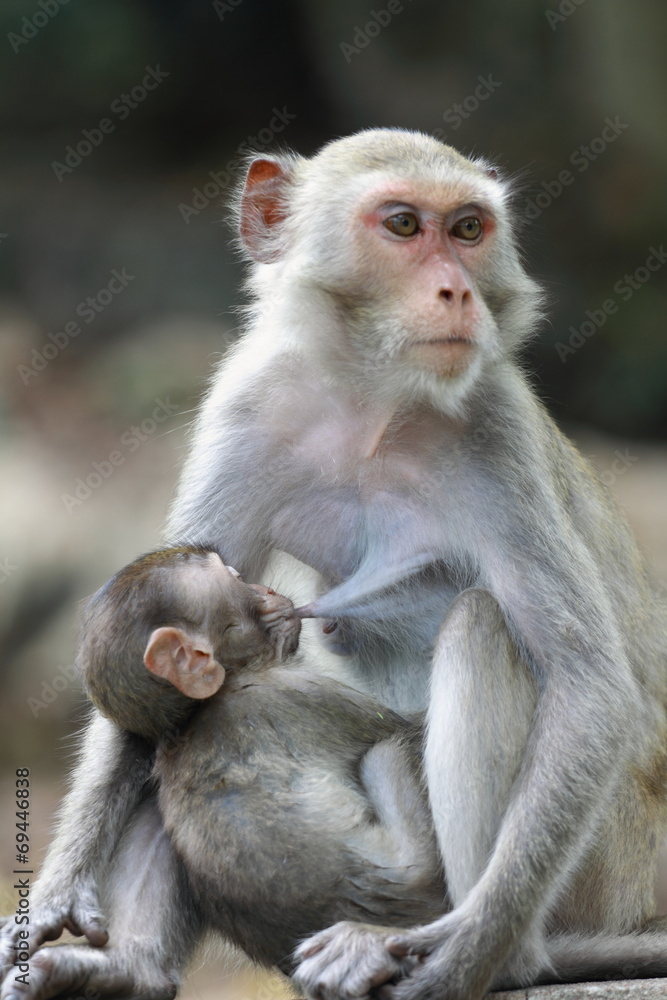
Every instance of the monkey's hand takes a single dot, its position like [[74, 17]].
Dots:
[[77, 911], [453, 962], [280, 620], [348, 961]]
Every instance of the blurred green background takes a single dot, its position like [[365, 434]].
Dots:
[[121, 124]]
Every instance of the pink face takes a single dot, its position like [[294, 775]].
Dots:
[[426, 248]]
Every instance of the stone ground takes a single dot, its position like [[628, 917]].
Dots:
[[640, 989], [204, 985]]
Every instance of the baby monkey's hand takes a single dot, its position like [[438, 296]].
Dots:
[[279, 618]]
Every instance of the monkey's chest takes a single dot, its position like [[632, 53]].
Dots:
[[333, 524], [359, 487]]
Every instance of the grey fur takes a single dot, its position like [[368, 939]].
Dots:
[[473, 486]]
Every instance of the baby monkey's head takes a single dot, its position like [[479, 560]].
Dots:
[[160, 635]]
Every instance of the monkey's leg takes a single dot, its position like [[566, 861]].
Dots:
[[153, 927], [482, 707], [349, 959], [483, 700]]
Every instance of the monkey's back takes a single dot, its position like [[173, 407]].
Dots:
[[264, 799]]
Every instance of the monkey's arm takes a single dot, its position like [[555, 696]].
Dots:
[[107, 784], [231, 482]]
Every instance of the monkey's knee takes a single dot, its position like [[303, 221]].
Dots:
[[479, 674], [474, 620], [475, 636]]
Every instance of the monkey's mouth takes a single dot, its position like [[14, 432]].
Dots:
[[445, 357], [443, 341]]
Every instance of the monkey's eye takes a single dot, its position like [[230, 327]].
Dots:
[[468, 229], [404, 224]]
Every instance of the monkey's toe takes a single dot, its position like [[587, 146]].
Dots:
[[59, 972], [348, 961]]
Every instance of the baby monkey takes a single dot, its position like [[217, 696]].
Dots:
[[292, 800]]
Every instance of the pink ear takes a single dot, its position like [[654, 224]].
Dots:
[[188, 665], [262, 208]]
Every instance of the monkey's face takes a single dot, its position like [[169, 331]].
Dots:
[[413, 242], [248, 624], [424, 249]]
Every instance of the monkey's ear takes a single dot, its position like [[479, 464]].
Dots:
[[263, 208], [185, 661]]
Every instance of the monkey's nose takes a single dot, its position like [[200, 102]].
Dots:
[[461, 297]]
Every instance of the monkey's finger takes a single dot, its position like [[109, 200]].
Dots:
[[90, 927], [362, 985], [47, 930], [398, 947], [401, 946], [388, 990], [64, 972], [91, 924], [315, 944], [308, 949], [306, 611], [6, 953], [11, 945]]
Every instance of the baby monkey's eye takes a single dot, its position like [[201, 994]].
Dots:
[[403, 224], [468, 229]]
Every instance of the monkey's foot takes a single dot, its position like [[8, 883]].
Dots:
[[440, 961], [79, 913], [348, 960], [67, 970], [455, 961]]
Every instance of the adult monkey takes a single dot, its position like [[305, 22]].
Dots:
[[374, 425]]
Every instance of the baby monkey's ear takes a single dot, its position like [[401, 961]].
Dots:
[[185, 660]]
